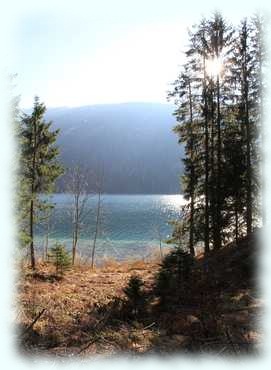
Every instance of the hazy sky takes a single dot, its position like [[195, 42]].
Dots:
[[74, 53]]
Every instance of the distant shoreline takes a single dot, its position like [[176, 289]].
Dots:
[[133, 194]]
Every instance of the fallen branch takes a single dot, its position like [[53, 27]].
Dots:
[[98, 326], [149, 326], [33, 322], [109, 342], [95, 339]]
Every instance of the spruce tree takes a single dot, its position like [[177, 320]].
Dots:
[[218, 111], [184, 114], [61, 258], [259, 88], [39, 165], [247, 73]]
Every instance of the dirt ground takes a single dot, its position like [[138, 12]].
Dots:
[[75, 315]]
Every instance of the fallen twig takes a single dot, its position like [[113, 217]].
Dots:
[[95, 339], [99, 325], [149, 326], [33, 322]]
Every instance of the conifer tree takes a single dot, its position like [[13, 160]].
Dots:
[[244, 62], [135, 294], [218, 108], [61, 258], [184, 114], [246, 69], [260, 68], [219, 46], [39, 165]]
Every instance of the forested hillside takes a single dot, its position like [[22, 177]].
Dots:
[[133, 142]]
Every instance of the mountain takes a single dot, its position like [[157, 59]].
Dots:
[[133, 142]]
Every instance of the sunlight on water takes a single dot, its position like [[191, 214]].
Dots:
[[172, 201], [131, 225]]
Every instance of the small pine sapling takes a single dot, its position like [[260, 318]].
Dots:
[[135, 294], [61, 258], [174, 277]]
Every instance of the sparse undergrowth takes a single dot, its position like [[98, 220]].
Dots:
[[74, 302], [119, 308]]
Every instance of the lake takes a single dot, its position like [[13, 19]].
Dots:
[[130, 225]]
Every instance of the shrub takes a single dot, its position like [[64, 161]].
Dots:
[[174, 277]]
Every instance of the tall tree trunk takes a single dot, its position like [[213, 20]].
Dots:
[[263, 143], [46, 242], [206, 180], [261, 125], [32, 251], [236, 223], [218, 242], [249, 195], [96, 229], [74, 245], [248, 145], [213, 171], [33, 179], [76, 228], [192, 198], [191, 231]]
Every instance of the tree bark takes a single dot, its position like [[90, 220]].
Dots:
[[192, 200], [248, 142], [32, 250], [76, 228], [218, 227], [236, 225], [206, 180], [96, 229]]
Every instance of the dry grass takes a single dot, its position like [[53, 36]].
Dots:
[[76, 318], [70, 301]]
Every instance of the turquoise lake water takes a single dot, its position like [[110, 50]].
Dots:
[[130, 225]]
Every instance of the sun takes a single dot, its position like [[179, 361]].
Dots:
[[214, 67]]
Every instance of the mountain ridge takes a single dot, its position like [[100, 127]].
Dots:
[[133, 142]]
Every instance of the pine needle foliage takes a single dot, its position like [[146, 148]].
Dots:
[[39, 168], [219, 102], [136, 297], [174, 277], [61, 258]]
